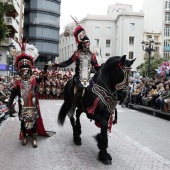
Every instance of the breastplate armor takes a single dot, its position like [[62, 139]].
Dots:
[[85, 68], [29, 112]]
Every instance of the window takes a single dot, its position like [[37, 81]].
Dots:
[[68, 51], [131, 40], [156, 38], [166, 5], [167, 31], [97, 29], [107, 54], [149, 37], [96, 42], [65, 53], [71, 48], [166, 43], [166, 54], [167, 17], [108, 30], [108, 43], [132, 26], [130, 54]]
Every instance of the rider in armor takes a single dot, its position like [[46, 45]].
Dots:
[[84, 60]]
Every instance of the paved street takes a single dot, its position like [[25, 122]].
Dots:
[[138, 142]]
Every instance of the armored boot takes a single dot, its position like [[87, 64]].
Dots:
[[34, 141], [24, 138], [76, 100]]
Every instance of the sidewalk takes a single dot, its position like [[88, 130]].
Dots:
[[59, 152]]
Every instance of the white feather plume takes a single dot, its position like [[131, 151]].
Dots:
[[69, 29], [32, 51]]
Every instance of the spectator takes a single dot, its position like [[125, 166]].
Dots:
[[144, 92], [164, 95], [136, 94], [160, 92], [148, 97]]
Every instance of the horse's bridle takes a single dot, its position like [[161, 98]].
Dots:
[[123, 85], [120, 86]]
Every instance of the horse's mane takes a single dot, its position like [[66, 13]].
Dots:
[[109, 62], [106, 65]]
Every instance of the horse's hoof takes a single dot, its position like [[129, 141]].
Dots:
[[105, 158], [77, 141], [107, 162]]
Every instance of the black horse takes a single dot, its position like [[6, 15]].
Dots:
[[107, 88]]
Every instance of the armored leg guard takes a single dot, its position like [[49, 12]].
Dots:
[[34, 141], [24, 138]]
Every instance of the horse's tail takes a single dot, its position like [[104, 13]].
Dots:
[[63, 113], [65, 107]]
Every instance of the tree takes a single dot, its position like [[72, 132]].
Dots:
[[4, 9], [155, 62]]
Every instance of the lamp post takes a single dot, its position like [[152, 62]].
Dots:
[[11, 47], [148, 46]]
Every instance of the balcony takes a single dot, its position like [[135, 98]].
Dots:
[[12, 24], [167, 10], [167, 22], [166, 48], [16, 11], [7, 42]]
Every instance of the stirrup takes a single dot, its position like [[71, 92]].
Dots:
[[24, 141], [34, 143]]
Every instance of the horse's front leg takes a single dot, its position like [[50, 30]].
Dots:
[[102, 140], [76, 131], [78, 124]]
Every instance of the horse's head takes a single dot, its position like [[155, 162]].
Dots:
[[115, 76]]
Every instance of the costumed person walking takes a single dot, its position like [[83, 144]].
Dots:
[[85, 61], [25, 88]]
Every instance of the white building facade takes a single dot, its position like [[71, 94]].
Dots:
[[118, 33], [157, 24]]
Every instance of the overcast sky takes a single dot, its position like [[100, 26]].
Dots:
[[80, 8]]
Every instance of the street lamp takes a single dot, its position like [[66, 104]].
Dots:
[[12, 47], [148, 46]]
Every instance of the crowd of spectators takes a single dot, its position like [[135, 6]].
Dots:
[[153, 93]]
